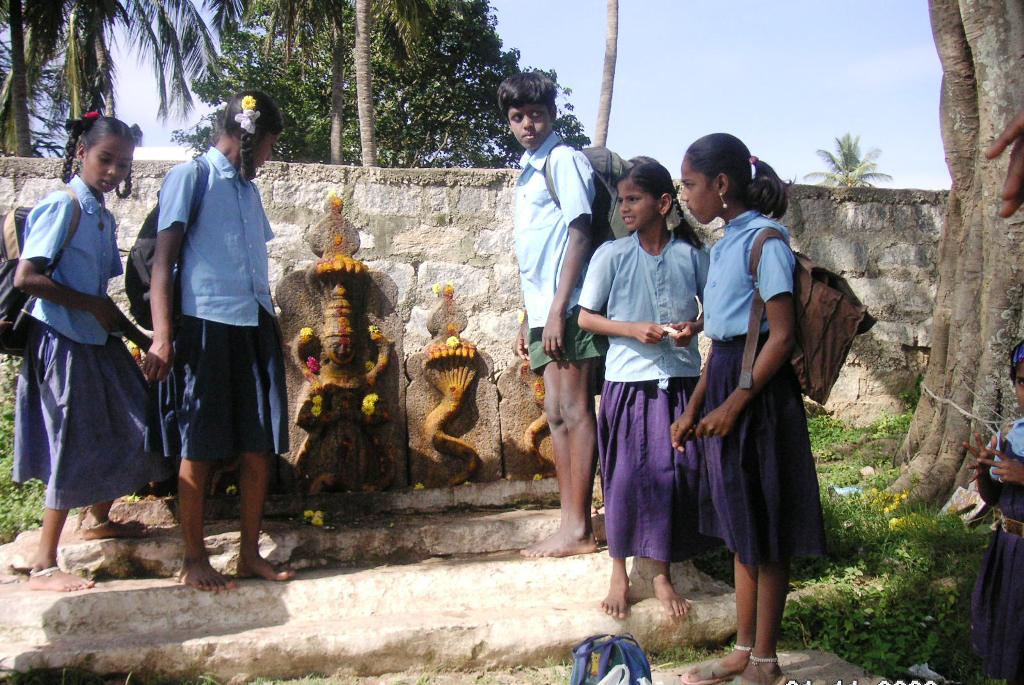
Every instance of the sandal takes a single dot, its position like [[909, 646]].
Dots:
[[762, 677], [712, 672]]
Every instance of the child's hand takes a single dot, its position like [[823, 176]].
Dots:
[[682, 430], [647, 332], [1013, 188], [158, 360], [521, 349], [681, 333], [1008, 468], [554, 334], [719, 422]]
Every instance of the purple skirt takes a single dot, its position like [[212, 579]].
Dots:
[[79, 421], [764, 499], [997, 604], [650, 489]]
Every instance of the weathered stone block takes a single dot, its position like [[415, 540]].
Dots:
[[380, 198], [525, 437]]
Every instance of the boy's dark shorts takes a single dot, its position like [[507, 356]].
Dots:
[[579, 344]]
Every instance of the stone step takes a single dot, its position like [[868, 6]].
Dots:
[[441, 585], [409, 634], [359, 541]]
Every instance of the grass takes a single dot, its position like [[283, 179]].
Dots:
[[21, 506]]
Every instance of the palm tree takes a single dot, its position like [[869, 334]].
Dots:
[[18, 82], [611, 42], [846, 168], [171, 34], [406, 18]]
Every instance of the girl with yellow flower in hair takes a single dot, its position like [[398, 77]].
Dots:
[[221, 367]]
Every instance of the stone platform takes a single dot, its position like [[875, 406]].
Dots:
[[379, 593]]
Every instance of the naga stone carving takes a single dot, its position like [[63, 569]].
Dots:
[[340, 354], [452, 404], [525, 435]]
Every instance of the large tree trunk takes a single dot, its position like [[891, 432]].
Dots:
[[977, 315], [19, 83], [364, 86], [103, 81], [611, 43], [338, 93]]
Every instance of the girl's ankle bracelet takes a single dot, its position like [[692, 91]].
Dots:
[[764, 659], [743, 648]]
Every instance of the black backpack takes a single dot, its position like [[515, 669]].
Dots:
[[14, 303], [138, 272], [609, 168]]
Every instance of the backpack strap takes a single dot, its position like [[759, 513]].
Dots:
[[549, 176], [756, 308], [76, 217], [199, 190]]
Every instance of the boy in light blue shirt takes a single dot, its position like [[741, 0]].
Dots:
[[553, 244]]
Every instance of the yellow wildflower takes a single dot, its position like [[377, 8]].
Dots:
[[374, 330], [308, 514], [521, 316], [318, 405], [419, 486], [317, 519], [306, 333], [537, 476], [896, 523], [370, 404], [248, 102], [453, 342], [232, 490], [369, 366], [334, 200], [436, 288]]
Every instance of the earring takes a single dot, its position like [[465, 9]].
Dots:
[[722, 198]]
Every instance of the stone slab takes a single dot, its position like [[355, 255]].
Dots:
[[366, 540], [525, 437]]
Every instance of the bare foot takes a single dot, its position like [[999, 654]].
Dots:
[[198, 573], [561, 545], [717, 671], [616, 604], [54, 580], [261, 568], [675, 605], [114, 529]]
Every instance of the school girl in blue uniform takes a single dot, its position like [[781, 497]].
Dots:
[[81, 401], [642, 292], [222, 390], [763, 490]]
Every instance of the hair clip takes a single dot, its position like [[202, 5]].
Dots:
[[91, 116], [753, 166]]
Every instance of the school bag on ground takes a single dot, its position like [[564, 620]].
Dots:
[[828, 317], [595, 658], [609, 168], [138, 272], [14, 303]]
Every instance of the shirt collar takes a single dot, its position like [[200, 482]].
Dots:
[[537, 158], [221, 163], [742, 221], [635, 235], [86, 197]]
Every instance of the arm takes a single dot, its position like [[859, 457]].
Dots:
[[1013, 189], [775, 353], [160, 356], [30, 278], [576, 255], [646, 332]]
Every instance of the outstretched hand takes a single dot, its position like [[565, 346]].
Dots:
[[1008, 468], [1013, 188]]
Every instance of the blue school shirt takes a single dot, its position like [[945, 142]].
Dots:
[[542, 227], [87, 265], [729, 292], [224, 267], [635, 285]]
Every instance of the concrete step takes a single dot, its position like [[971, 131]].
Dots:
[[365, 540], [369, 645], [451, 613]]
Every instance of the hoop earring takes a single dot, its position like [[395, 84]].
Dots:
[[722, 198]]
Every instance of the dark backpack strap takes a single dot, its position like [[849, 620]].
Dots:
[[76, 217], [199, 190], [756, 309], [549, 178]]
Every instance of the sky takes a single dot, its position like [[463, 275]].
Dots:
[[788, 77]]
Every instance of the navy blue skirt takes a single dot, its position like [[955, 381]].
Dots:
[[650, 489], [79, 421], [764, 500], [226, 393]]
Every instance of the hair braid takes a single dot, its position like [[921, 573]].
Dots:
[[684, 231], [136, 134], [74, 129]]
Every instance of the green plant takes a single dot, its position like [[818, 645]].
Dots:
[[21, 506]]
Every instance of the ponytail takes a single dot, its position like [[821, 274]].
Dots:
[[263, 119], [757, 185]]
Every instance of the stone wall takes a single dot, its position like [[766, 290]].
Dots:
[[427, 226]]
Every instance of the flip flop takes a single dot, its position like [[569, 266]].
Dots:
[[710, 673]]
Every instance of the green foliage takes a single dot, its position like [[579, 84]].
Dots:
[[21, 506], [435, 107], [848, 168]]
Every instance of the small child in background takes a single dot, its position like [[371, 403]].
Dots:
[[648, 285], [997, 605], [81, 404], [762, 490]]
